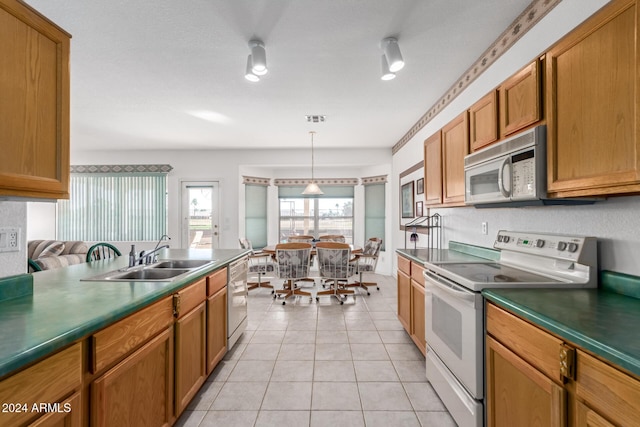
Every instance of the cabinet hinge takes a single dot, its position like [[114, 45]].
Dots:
[[567, 362], [176, 305]]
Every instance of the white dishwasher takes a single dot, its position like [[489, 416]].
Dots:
[[237, 294]]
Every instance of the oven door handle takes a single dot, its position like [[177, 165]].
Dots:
[[436, 282], [501, 186]]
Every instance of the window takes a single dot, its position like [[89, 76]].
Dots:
[[114, 207], [256, 215], [374, 212], [331, 213]]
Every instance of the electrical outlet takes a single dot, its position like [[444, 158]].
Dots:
[[9, 239], [485, 228]]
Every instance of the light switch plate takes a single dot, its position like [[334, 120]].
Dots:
[[9, 239]]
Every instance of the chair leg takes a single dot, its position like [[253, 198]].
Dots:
[[259, 283], [362, 284]]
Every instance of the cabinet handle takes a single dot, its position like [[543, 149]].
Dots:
[[176, 305], [567, 362]]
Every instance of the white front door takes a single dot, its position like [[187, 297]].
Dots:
[[200, 217]]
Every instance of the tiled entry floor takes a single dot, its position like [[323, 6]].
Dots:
[[321, 364]]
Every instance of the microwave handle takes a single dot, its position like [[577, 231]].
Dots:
[[503, 190]]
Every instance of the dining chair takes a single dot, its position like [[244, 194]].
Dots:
[[304, 238], [366, 261], [336, 267], [293, 261], [260, 265], [101, 251], [332, 238]]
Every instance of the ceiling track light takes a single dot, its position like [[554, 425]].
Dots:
[[248, 74], [258, 58], [386, 73], [392, 54]]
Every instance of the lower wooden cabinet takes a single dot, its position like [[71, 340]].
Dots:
[[191, 347], [535, 378], [216, 328], [417, 316], [518, 394], [404, 300], [138, 391], [411, 307], [55, 382]]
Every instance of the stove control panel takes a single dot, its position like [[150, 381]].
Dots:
[[548, 245]]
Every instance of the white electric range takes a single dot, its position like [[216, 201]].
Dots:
[[454, 307]]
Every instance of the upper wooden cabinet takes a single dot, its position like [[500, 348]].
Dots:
[[34, 105], [444, 154], [592, 99], [483, 121], [455, 145], [433, 170], [520, 100]]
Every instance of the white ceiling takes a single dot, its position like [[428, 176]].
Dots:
[[140, 69]]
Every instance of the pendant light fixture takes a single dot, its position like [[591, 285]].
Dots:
[[312, 188]]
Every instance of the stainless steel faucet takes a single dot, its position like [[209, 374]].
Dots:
[[146, 257]]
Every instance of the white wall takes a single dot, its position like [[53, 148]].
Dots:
[[615, 222], [228, 166]]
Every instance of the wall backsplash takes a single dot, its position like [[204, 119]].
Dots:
[[14, 214], [615, 222]]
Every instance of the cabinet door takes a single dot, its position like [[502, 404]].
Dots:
[[417, 316], [592, 98], [455, 145], [191, 350], [404, 300], [68, 415], [518, 394], [34, 105], [586, 417], [483, 121], [216, 328], [139, 390], [433, 170], [520, 104]]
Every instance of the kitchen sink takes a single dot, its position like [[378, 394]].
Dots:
[[150, 274], [163, 271], [182, 263]]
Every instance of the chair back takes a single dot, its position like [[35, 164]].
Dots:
[[371, 251], [245, 243], [293, 260], [102, 251], [300, 239], [333, 260], [332, 238]]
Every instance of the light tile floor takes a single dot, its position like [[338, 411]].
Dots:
[[320, 364]]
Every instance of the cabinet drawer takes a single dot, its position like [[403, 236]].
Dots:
[[538, 348], [216, 281], [404, 265], [117, 340], [191, 297], [609, 391], [48, 381], [416, 273]]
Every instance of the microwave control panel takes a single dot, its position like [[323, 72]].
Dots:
[[523, 175]]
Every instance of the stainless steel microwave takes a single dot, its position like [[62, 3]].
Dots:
[[514, 170]]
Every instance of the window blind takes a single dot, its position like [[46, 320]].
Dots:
[[114, 207], [256, 215], [374, 211]]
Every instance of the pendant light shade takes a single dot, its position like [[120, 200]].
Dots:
[[258, 58], [392, 54], [312, 188], [248, 74], [386, 73]]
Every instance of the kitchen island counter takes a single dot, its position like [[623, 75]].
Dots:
[[64, 309]]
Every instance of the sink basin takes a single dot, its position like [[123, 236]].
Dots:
[[149, 274], [182, 263]]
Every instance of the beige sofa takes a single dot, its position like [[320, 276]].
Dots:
[[49, 254]]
